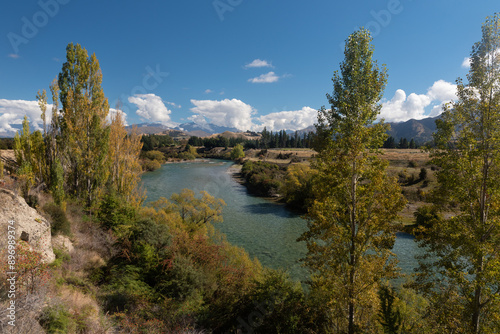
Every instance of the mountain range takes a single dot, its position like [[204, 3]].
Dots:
[[420, 130]]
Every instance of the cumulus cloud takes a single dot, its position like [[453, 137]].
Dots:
[[152, 108], [466, 62], [258, 63], [265, 78], [12, 112], [230, 113], [443, 91], [288, 120], [113, 112], [414, 106]]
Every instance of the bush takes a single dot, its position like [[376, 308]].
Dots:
[[423, 174], [412, 164], [60, 223], [186, 156], [426, 217], [113, 211], [155, 155], [150, 165], [57, 320]]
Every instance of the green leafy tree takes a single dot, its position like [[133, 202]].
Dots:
[[237, 152], [350, 231], [84, 133], [464, 249]]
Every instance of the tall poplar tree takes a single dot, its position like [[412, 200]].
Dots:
[[84, 133], [124, 151], [462, 272], [350, 224]]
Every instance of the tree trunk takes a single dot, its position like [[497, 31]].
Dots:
[[353, 249]]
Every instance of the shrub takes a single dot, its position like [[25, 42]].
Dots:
[[155, 155], [150, 165], [426, 216], [56, 320], [412, 164], [423, 174], [237, 152], [60, 223], [186, 156], [113, 211]]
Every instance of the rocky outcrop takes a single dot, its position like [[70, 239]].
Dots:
[[28, 224], [62, 242]]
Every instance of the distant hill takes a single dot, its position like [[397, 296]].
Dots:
[[245, 135], [205, 130], [420, 130]]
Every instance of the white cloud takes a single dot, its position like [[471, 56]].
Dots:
[[13, 55], [12, 112], [466, 62], [113, 111], [288, 120], [402, 107], [265, 78], [152, 108], [442, 91], [208, 91], [230, 113], [258, 63]]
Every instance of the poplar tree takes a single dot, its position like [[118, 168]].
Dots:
[[83, 129], [350, 224], [461, 274], [124, 151]]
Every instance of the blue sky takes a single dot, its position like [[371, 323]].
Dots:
[[239, 63]]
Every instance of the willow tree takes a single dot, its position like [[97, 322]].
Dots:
[[465, 249], [350, 230], [83, 130]]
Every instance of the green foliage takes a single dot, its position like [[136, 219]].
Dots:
[[389, 316], [59, 222], [237, 152], [150, 165], [263, 178], [427, 217], [155, 155], [423, 174], [57, 320], [26, 178], [274, 305], [412, 164], [57, 183], [463, 263], [114, 211], [298, 186], [154, 142], [350, 230], [84, 134]]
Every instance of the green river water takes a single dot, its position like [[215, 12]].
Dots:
[[266, 230]]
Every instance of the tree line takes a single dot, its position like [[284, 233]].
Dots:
[[269, 139]]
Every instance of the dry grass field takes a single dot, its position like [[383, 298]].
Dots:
[[406, 165]]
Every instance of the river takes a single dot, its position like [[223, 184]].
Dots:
[[266, 230]]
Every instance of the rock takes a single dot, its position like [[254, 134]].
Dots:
[[27, 223], [62, 242]]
